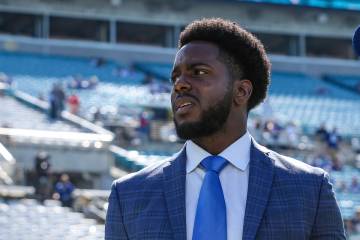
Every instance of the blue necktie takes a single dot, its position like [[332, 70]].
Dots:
[[210, 219]]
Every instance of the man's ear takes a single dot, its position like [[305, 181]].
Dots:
[[242, 91]]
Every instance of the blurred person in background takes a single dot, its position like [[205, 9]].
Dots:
[[322, 160], [355, 186], [96, 115], [222, 184], [57, 98], [60, 97], [356, 220], [257, 130], [64, 190], [42, 176], [53, 107], [79, 82], [144, 128], [354, 224], [321, 133], [341, 187], [337, 164], [97, 62], [74, 103], [333, 139], [292, 134]]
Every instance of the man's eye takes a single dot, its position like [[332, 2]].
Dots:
[[199, 72]]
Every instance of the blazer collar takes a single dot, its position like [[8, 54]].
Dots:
[[174, 191], [260, 181]]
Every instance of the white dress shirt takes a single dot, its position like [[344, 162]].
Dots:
[[234, 180]]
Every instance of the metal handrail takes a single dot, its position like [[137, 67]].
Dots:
[[7, 165], [6, 155]]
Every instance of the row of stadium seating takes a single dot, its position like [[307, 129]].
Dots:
[[293, 96], [158, 70], [313, 112], [314, 102], [347, 174], [105, 94], [282, 82], [65, 67], [27, 219], [134, 160], [60, 67], [301, 85], [351, 83], [348, 201]]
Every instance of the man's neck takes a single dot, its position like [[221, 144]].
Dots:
[[219, 141]]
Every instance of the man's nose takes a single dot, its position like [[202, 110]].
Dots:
[[182, 84]]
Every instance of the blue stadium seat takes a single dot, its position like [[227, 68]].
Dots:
[[351, 83], [26, 219], [51, 66], [158, 70], [312, 102]]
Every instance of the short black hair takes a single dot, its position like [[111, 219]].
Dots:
[[244, 48]]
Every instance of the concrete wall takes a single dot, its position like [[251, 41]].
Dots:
[[63, 158], [95, 162]]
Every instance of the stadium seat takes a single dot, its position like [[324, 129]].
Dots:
[[26, 219]]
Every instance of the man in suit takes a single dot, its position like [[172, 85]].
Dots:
[[222, 184]]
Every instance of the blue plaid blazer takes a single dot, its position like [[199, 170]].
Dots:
[[287, 200]]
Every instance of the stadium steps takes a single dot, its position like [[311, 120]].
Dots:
[[27, 219], [15, 114]]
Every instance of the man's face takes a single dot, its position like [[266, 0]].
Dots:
[[202, 91]]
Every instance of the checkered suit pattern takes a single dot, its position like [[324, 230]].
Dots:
[[286, 199]]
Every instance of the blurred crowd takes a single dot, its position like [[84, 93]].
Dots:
[[274, 133]]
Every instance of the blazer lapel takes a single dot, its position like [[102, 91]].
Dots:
[[260, 181], [174, 189]]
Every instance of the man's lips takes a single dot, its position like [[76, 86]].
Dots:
[[184, 108], [184, 102]]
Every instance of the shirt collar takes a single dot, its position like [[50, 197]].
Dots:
[[238, 153]]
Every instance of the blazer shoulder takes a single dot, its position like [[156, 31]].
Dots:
[[288, 164], [306, 178], [150, 173], [294, 166]]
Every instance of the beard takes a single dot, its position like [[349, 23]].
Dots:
[[211, 120]]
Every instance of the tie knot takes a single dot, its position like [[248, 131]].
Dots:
[[214, 163]]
